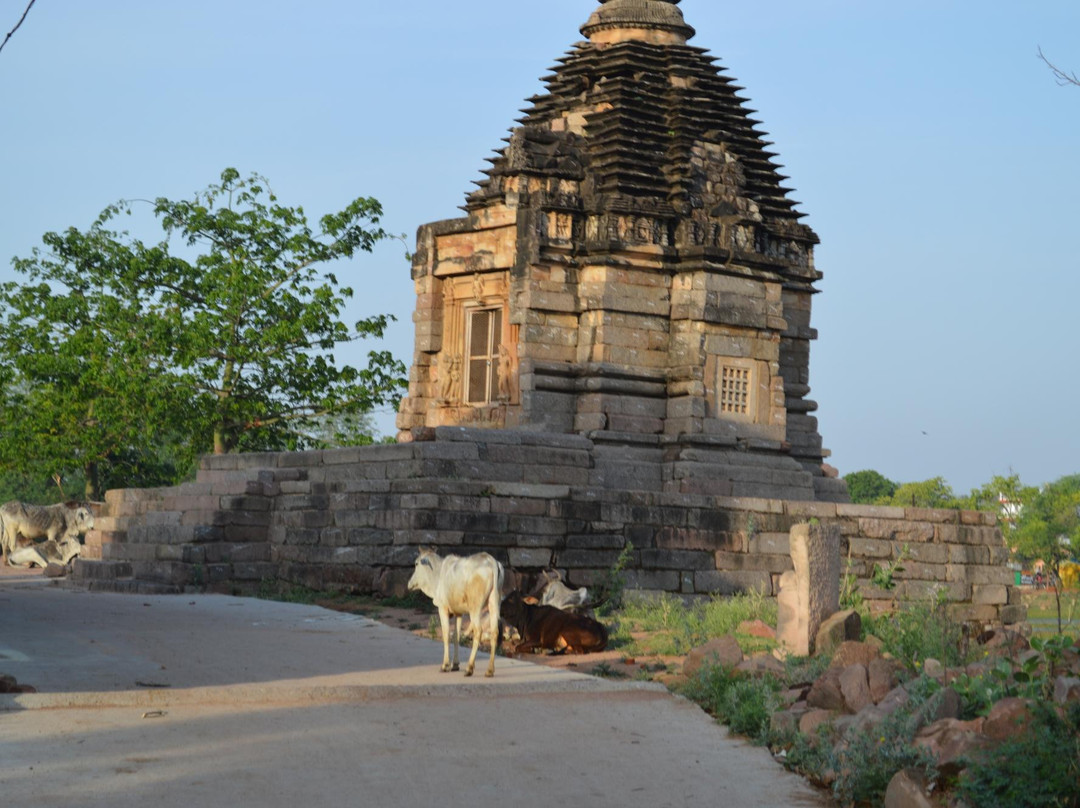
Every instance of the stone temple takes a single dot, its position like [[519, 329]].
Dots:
[[630, 270], [611, 369]]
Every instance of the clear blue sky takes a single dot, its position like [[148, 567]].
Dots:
[[931, 150]]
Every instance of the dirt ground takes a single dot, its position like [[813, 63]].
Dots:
[[424, 623], [610, 663]]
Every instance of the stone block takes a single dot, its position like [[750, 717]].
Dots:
[[967, 554], [936, 515], [914, 570], [882, 512], [811, 510], [870, 548], [520, 507], [897, 531], [529, 557], [643, 580], [978, 574], [929, 553], [996, 594], [752, 561], [721, 582], [684, 538], [813, 586], [770, 543], [1013, 614], [983, 613], [675, 559]]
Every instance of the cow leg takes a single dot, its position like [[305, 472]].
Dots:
[[444, 620], [457, 642], [474, 620], [493, 616]]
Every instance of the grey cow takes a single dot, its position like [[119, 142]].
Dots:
[[61, 523]]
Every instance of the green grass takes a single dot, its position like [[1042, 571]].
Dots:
[[1043, 611], [665, 625]]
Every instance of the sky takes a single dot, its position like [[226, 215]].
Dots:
[[929, 147]]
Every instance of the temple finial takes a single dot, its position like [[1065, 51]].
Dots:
[[656, 21]]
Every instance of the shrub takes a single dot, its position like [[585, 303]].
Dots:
[[867, 761], [1040, 768], [917, 631], [611, 588], [676, 627], [744, 703]]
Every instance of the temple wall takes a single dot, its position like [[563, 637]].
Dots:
[[354, 518]]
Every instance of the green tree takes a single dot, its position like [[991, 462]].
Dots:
[[123, 355], [932, 493], [1049, 529], [79, 385], [1006, 496], [869, 487]]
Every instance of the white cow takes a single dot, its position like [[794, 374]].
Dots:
[[45, 553], [559, 595], [61, 523], [459, 586]]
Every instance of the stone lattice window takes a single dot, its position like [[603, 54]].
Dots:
[[484, 327], [734, 390]]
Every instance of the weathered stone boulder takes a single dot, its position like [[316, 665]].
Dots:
[[836, 629], [786, 722], [825, 693], [852, 652], [882, 675], [723, 651], [855, 687], [866, 719], [1008, 718], [813, 719], [1066, 689], [934, 669], [907, 789], [760, 664], [757, 628], [944, 704], [894, 700], [950, 741]]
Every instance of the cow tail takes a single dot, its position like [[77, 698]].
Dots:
[[500, 574]]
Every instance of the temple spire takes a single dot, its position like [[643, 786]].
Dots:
[[656, 21]]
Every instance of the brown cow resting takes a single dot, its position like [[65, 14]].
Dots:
[[546, 627]]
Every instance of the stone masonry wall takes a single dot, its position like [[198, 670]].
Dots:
[[353, 518]]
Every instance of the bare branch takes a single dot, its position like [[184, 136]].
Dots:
[[1060, 76], [16, 28]]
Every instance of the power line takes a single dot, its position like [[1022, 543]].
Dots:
[[16, 28]]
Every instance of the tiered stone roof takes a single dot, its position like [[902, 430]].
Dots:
[[624, 116]]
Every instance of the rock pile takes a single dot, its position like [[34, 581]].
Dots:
[[862, 688]]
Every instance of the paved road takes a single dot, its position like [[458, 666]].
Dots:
[[211, 701]]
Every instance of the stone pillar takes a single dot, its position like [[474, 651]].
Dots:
[[811, 593]]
